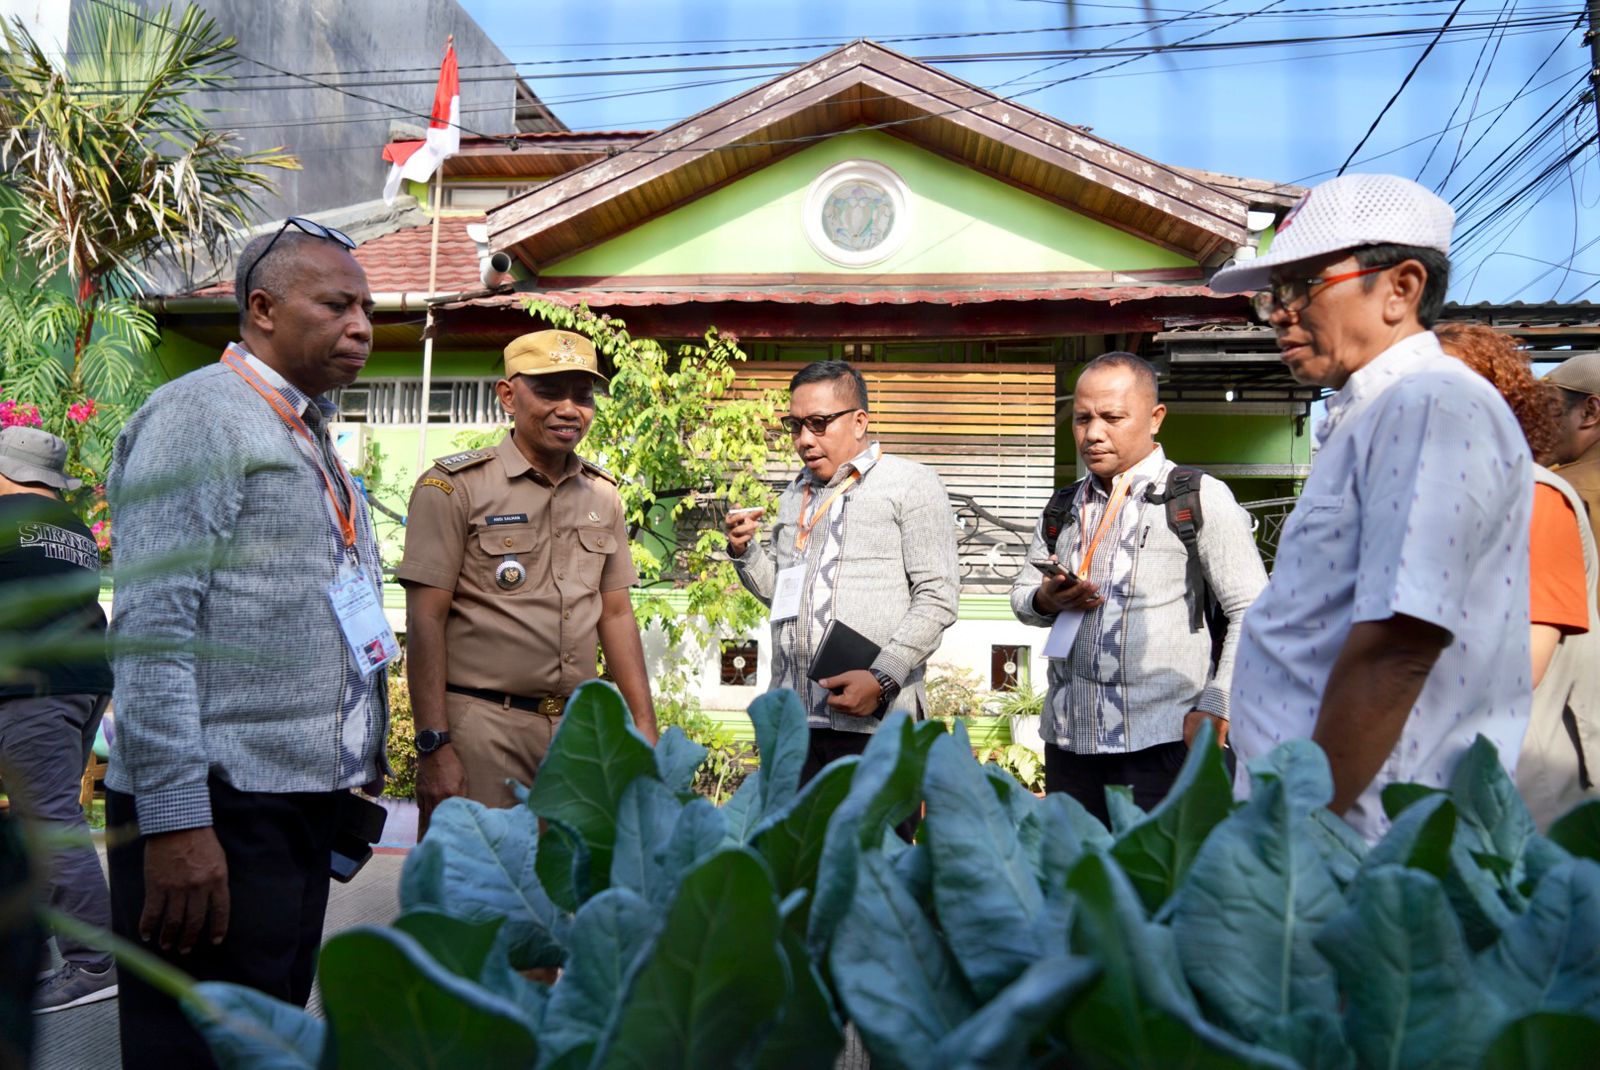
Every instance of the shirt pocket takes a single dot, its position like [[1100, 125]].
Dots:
[[499, 542], [871, 530], [595, 546]]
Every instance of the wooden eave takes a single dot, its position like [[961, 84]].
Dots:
[[535, 155], [864, 84]]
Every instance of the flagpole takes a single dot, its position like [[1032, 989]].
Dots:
[[428, 325]]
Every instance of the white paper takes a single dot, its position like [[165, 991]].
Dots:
[[786, 595], [1058, 644], [366, 629]]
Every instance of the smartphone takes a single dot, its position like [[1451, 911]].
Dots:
[[747, 509], [1054, 568]]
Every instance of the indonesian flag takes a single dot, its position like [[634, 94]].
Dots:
[[416, 161]]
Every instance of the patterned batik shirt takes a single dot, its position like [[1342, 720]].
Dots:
[[794, 642]]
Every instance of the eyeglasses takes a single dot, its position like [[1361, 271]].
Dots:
[[815, 424], [1294, 295], [311, 227]]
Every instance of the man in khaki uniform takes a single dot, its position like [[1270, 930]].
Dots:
[[1577, 453], [516, 566]]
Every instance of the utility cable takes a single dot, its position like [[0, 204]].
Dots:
[[1403, 83]]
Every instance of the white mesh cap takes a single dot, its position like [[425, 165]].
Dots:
[[1344, 213]]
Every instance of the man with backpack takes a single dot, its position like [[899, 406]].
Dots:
[[1135, 569]]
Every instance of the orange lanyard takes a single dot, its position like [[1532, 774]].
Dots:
[[347, 524], [1108, 519], [802, 534]]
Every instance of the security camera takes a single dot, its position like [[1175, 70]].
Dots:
[[495, 270]]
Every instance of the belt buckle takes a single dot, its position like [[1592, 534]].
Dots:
[[550, 706]]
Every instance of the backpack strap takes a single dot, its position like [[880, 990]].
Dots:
[[1056, 512], [1185, 518]]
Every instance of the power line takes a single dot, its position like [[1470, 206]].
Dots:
[[1403, 83]]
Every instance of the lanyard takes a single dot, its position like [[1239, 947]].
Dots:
[[802, 534], [291, 419], [1119, 498]]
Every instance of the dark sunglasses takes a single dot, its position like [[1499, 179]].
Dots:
[[311, 227], [815, 424]]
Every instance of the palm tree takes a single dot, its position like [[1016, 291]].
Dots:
[[110, 166]]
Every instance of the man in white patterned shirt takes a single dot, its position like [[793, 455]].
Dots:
[[1139, 679], [1395, 628]]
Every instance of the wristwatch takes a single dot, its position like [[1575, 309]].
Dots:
[[887, 685], [429, 741]]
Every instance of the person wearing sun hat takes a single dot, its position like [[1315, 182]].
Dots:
[[1394, 629], [51, 706], [516, 571]]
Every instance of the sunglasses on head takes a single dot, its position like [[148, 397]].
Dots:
[[309, 226]]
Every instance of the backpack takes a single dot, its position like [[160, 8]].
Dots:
[[1185, 518]]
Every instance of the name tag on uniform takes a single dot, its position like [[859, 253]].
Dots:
[[366, 630], [506, 518], [786, 595]]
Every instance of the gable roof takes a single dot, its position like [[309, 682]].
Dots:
[[865, 84]]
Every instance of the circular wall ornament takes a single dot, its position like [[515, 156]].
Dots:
[[857, 213]]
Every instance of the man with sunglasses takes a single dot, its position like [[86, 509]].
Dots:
[[1394, 629], [861, 537], [248, 699], [516, 572]]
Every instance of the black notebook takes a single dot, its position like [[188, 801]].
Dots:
[[841, 650]]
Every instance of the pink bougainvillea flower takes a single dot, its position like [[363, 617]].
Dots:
[[80, 412]]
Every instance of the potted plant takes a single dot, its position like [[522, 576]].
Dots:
[[1023, 708]]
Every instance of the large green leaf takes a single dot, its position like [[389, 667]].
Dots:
[[886, 788], [742, 812], [1420, 837], [1157, 850], [1257, 893], [595, 755], [1341, 846], [256, 1031], [1138, 1013], [792, 842], [678, 758], [782, 740], [1578, 830], [999, 1035], [1413, 996], [1066, 832], [984, 887], [480, 864], [563, 865], [390, 1004], [808, 1035], [1547, 1041], [893, 972], [1548, 959], [1495, 831], [476, 950], [1120, 807], [646, 816], [714, 980], [608, 934]]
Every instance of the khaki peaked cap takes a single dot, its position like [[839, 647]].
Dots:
[[550, 352]]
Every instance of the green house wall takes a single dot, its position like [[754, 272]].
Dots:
[[962, 222]]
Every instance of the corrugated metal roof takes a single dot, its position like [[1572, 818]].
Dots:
[[888, 295]]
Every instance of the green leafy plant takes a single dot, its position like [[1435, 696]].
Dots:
[[1023, 763], [952, 692], [1016, 932], [402, 744], [728, 760]]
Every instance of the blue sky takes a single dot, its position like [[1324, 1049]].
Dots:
[[1286, 112]]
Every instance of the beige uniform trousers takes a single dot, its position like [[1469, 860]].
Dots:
[[497, 744]]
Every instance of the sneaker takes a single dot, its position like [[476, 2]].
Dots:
[[74, 986]]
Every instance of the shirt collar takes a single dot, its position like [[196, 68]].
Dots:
[[296, 397], [515, 464], [1403, 358], [861, 463], [1140, 474]]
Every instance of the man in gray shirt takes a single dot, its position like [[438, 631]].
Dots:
[[250, 693], [1134, 676], [862, 537]]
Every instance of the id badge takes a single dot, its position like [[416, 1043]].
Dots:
[[366, 629], [786, 595]]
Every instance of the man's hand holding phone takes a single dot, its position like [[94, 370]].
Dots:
[[741, 526], [1059, 589]]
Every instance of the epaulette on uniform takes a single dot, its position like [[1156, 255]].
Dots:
[[457, 461], [598, 472]]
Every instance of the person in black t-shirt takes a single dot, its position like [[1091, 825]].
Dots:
[[50, 707]]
